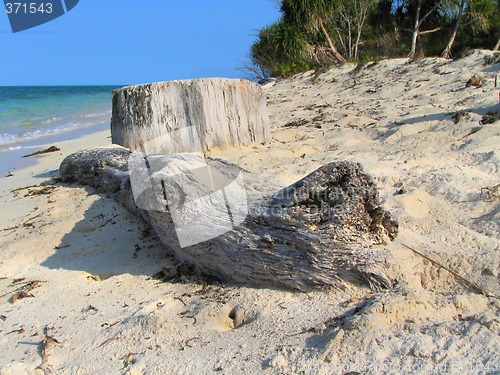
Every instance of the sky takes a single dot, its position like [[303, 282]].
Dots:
[[123, 42]]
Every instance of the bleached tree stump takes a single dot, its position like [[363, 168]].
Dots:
[[189, 115]]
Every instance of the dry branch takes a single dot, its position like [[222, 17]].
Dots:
[[454, 273]]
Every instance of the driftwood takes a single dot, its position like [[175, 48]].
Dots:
[[42, 152], [319, 232]]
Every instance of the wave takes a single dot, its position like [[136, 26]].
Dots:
[[15, 140], [31, 113]]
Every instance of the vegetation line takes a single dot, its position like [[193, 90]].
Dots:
[[316, 33]]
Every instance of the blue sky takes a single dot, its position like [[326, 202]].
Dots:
[[134, 41]]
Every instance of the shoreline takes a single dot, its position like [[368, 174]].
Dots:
[[13, 161], [34, 170]]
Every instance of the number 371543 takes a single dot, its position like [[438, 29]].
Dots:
[[28, 8]]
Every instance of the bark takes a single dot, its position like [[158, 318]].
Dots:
[[447, 51], [415, 32], [361, 23], [319, 232], [416, 29], [190, 115]]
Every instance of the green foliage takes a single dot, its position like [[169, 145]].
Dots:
[[278, 44], [482, 26], [289, 68], [303, 37], [366, 59], [308, 14]]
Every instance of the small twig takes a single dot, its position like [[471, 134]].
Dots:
[[459, 277], [24, 188], [180, 299], [281, 305], [191, 339], [20, 330], [10, 229], [61, 247], [28, 286], [24, 224], [107, 341], [31, 219], [47, 340], [109, 221], [111, 325]]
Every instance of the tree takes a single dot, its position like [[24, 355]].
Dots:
[[352, 15], [311, 15], [281, 49], [460, 9], [384, 36], [474, 13], [419, 20]]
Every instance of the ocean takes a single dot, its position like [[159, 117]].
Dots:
[[32, 117]]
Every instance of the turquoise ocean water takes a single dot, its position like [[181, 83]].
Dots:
[[32, 117]]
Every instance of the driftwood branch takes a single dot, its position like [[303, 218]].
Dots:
[[319, 232], [469, 283]]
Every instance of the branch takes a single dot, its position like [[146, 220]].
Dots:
[[455, 274], [430, 31], [427, 14]]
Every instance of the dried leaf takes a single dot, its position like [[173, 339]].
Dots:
[[20, 330]]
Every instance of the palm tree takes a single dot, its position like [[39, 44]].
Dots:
[[311, 15]]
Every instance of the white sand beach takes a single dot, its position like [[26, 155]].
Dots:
[[78, 292]]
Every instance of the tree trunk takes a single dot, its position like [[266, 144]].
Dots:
[[190, 115], [349, 34], [497, 46], [447, 51], [318, 232], [337, 55], [341, 39], [360, 30], [416, 30], [418, 24]]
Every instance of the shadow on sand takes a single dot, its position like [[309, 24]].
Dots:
[[110, 241]]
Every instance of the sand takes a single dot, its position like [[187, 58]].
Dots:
[[94, 306]]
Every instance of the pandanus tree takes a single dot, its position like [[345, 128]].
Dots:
[[311, 15], [278, 44]]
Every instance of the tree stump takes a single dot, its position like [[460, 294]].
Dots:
[[190, 115]]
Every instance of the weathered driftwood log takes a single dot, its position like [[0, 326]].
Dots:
[[189, 115], [319, 232]]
